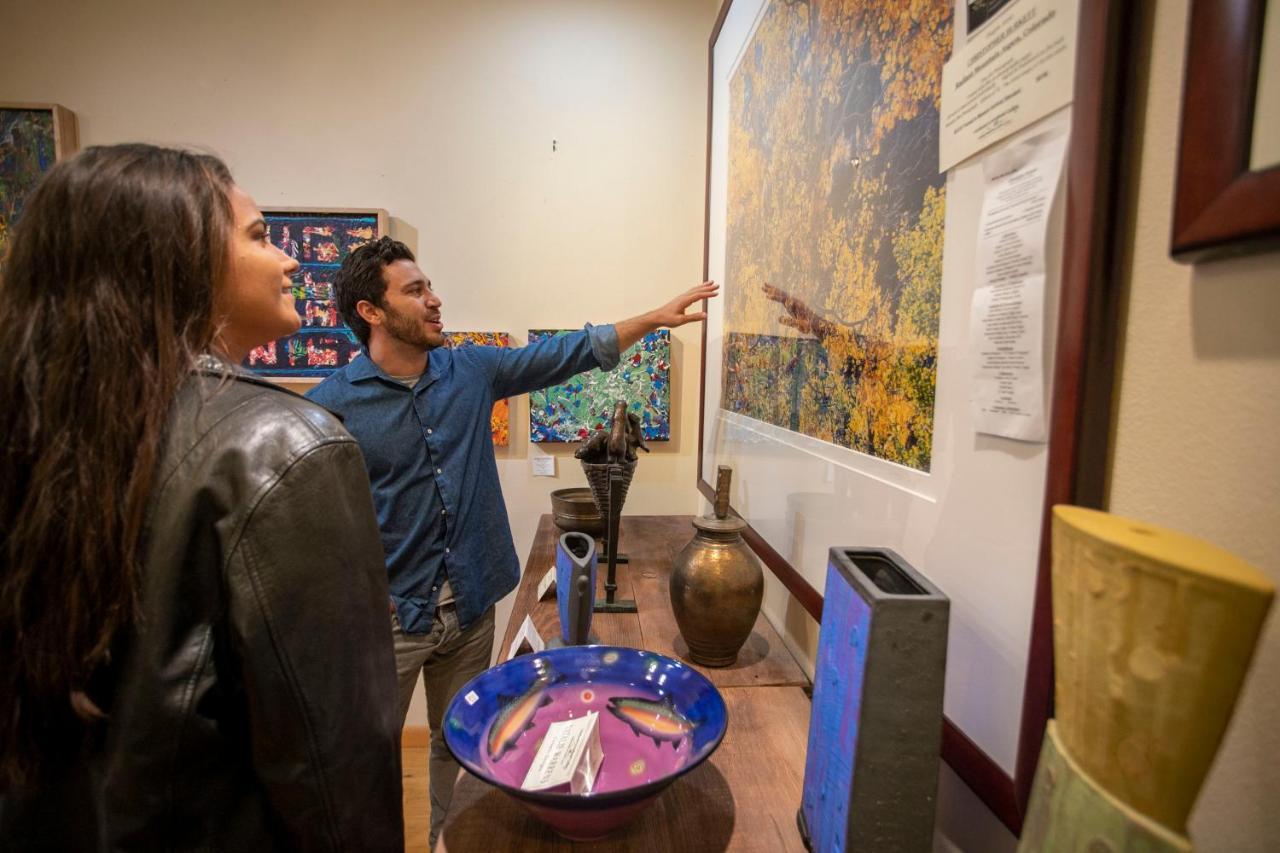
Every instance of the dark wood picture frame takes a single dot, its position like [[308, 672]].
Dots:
[[1222, 207], [1079, 423]]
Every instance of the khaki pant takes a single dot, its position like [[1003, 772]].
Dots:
[[448, 658]]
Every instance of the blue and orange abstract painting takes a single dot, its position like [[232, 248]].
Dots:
[[319, 242], [500, 417], [575, 409], [27, 152]]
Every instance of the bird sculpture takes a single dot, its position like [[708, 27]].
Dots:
[[619, 443]]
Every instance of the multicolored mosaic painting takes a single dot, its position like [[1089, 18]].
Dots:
[[27, 152], [834, 221], [319, 242], [572, 411], [500, 419]]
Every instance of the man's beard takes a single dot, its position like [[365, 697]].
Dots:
[[405, 329]]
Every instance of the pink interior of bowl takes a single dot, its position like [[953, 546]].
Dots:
[[632, 757]]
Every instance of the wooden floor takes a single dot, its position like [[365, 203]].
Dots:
[[417, 804]]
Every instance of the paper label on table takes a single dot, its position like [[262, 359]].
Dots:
[[527, 636], [1006, 328], [1013, 71], [547, 583], [569, 755]]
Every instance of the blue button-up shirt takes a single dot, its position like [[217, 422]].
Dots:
[[429, 452]]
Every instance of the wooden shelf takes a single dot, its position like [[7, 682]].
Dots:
[[744, 797]]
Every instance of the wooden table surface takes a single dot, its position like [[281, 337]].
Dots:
[[742, 798]]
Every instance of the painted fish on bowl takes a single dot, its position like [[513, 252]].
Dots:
[[657, 720], [516, 716]]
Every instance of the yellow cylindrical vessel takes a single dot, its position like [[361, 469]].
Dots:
[[1153, 633]]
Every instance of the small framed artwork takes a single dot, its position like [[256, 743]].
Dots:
[[319, 239], [500, 418], [573, 410], [1227, 193], [32, 138]]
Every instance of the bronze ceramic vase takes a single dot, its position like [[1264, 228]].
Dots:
[[717, 585]]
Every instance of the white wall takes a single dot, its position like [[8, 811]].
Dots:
[[444, 114]]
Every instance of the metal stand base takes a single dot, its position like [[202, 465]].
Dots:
[[604, 549], [609, 604], [622, 605]]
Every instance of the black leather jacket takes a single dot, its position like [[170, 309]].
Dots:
[[253, 706]]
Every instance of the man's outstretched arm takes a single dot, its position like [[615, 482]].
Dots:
[[670, 315], [517, 371]]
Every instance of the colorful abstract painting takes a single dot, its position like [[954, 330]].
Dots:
[[27, 152], [319, 242], [834, 223], [572, 411], [500, 419]]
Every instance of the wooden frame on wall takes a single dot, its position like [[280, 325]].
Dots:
[[297, 246], [1222, 206], [66, 134], [1082, 378], [66, 141]]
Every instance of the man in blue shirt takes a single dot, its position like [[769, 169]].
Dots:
[[420, 412]]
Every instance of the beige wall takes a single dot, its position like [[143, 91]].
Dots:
[[444, 114], [1197, 436]]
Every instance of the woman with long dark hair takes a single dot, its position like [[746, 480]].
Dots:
[[192, 592]]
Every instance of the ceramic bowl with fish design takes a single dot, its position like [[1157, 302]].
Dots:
[[658, 719]]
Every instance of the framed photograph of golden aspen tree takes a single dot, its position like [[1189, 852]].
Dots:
[[836, 365]]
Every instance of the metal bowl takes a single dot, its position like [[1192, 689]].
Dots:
[[574, 511]]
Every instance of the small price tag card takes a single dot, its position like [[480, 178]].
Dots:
[[569, 756], [547, 583], [527, 641]]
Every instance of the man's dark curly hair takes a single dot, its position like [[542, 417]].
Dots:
[[361, 278]]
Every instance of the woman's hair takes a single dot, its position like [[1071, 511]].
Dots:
[[106, 300]]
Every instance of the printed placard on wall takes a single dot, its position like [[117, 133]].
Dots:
[[572, 411], [500, 418], [319, 241]]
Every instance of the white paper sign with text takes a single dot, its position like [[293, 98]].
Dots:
[[526, 636], [547, 583], [1015, 70], [1006, 329], [569, 754]]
